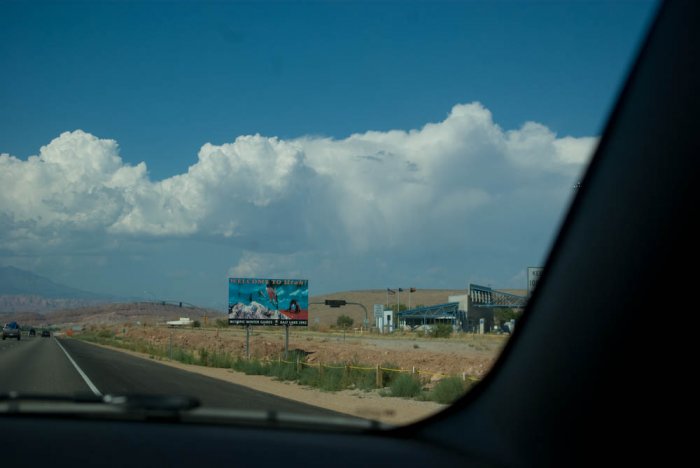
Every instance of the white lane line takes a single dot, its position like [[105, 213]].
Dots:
[[80, 371]]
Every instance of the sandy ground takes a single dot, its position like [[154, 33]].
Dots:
[[468, 355]]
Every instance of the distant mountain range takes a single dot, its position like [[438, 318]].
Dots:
[[21, 290]]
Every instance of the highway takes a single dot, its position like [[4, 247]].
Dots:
[[43, 365]]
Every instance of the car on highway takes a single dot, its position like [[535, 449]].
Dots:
[[588, 377], [11, 330], [45, 334]]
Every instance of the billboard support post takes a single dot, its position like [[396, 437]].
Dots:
[[286, 340], [247, 341]]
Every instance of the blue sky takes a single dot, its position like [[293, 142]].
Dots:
[[162, 80]]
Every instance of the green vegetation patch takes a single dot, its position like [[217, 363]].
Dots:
[[405, 386], [330, 377], [441, 330], [448, 390]]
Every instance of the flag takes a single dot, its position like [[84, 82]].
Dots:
[[390, 291], [412, 289]]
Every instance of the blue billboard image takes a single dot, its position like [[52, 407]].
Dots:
[[258, 301]]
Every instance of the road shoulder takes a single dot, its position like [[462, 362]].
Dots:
[[352, 402]]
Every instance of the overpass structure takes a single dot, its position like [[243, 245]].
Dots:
[[448, 313], [484, 296]]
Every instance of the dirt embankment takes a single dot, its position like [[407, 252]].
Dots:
[[468, 354]]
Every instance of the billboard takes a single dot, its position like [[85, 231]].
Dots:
[[258, 301]]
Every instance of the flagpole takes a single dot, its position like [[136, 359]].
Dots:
[[387, 298], [409, 298], [398, 299]]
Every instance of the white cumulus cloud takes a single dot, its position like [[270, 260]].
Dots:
[[393, 191]]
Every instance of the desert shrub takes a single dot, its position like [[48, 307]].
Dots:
[[331, 380], [220, 359], [105, 333], [250, 367], [221, 323], [284, 371], [388, 376], [203, 357], [183, 355], [441, 330], [309, 376], [360, 378], [448, 390], [405, 386], [344, 321]]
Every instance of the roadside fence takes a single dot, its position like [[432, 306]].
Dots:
[[377, 369]]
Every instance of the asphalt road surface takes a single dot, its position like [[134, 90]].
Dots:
[[68, 367]]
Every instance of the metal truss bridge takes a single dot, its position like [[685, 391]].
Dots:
[[481, 302], [483, 296], [430, 314]]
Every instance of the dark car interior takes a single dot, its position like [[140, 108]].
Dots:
[[588, 376]]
